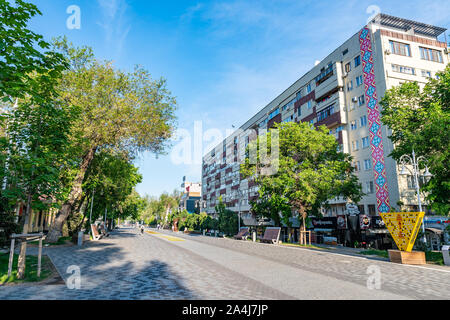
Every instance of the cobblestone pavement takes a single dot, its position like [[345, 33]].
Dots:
[[128, 265], [416, 282]]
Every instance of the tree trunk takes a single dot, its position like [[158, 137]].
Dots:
[[56, 229], [23, 246]]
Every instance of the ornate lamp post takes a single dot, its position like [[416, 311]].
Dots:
[[407, 160]]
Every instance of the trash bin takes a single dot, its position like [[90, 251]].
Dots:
[[80, 238], [446, 254]]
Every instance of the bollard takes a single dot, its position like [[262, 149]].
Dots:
[[254, 236], [446, 254], [80, 238]]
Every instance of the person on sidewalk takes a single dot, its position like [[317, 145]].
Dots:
[[142, 229]]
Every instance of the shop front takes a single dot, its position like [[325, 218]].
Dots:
[[325, 230]]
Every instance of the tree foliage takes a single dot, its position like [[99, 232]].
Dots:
[[420, 121], [25, 59], [228, 220], [127, 112], [311, 171]]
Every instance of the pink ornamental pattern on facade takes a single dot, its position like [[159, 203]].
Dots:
[[374, 121]]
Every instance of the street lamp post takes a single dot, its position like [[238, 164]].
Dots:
[[414, 161]]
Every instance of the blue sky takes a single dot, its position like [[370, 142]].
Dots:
[[223, 60]]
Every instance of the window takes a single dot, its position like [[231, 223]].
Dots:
[[399, 48], [353, 125], [263, 123], [357, 166], [372, 210], [213, 153], [426, 74], [350, 85], [224, 148], [299, 95], [403, 69], [325, 113], [344, 52], [361, 100], [359, 81], [308, 88], [363, 121], [431, 54], [311, 122], [299, 112], [288, 105], [274, 113], [324, 74], [367, 164], [355, 145], [361, 209], [369, 187], [348, 67], [339, 129], [309, 104], [365, 142], [357, 61]]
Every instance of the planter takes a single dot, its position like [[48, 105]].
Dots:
[[403, 257]]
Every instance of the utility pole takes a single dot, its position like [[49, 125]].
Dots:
[[92, 204]]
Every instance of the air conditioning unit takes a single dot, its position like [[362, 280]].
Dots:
[[387, 52]]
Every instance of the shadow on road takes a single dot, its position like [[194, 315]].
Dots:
[[108, 271]]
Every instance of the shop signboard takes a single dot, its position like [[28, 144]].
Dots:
[[352, 209], [342, 222], [364, 222], [326, 224], [403, 227], [377, 223]]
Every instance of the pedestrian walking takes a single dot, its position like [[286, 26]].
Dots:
[[142, 229]]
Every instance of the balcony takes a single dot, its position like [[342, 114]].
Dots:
[[329, 81]]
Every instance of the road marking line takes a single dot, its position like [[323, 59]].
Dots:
[[160, 235]]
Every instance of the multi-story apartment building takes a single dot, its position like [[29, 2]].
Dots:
[[341, 92]]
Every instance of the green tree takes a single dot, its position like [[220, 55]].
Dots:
[[228, 220], [125, 111], [38, 139], [24, 63], [311, 171], [420, 121], [110, 179]]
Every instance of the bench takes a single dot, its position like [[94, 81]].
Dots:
[[242, 234], [272, 235], [95, 235]]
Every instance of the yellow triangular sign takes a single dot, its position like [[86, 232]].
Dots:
[[404, 227]]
